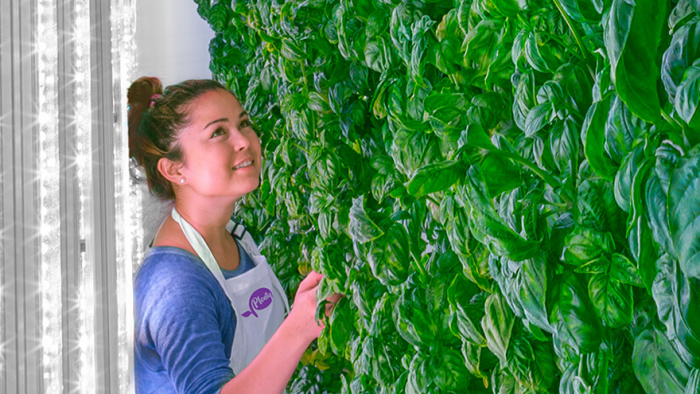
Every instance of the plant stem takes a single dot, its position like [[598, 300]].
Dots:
[[306, 81], [523, 21], [561, 42], [556, 204], [421, 269], [673, 122], [302, 148], [571, 27], [546, 177]]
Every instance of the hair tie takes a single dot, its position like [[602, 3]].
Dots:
[[154, 98]]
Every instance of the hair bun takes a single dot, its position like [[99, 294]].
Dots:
[[139, 99], [141, 91]]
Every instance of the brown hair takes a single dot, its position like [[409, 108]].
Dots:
[[155, 118]]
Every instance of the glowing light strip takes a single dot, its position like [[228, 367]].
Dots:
[[49, 175], [123, 69], [83, 126]]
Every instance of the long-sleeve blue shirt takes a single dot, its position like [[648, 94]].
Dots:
[[184, 323]]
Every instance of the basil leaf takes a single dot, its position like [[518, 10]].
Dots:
[[656, 364], [632, 37], [413, 318], [361, 228], [658, 219], [412, 150], [586, 244], [623, 180], [611, 299], [498, 324], [681, 53], [684, 214], [583, 11], [467, 309], [389, 255], [688, 96], [488, 227], [538, 117], [434, 178], [538, 54], [524, 98], [450, 372], [573, 316], [341, 328], [292, 51], [678, 302], [533, 282], [594, 129]]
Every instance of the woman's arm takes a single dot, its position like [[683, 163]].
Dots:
[[272, 368], [184, 325]]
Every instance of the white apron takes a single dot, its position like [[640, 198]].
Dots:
[[257, 297]]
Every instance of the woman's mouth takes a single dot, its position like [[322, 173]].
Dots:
[[245, 164]]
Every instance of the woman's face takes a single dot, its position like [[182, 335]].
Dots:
[[220, 148]]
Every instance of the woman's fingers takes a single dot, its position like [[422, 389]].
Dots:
[[304, 309], [307, 290], [334, 298], [312, 280]]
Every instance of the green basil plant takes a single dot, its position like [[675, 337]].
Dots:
[[507, 192]]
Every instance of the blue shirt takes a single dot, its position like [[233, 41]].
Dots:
[[184, 323]]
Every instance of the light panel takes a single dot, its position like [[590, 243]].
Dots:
[[83, 127], [123, 68], [127, 200], [49, 180]]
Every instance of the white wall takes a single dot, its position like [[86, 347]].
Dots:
[[172, 40]]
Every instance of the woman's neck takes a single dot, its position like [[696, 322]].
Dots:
[[208, 218]]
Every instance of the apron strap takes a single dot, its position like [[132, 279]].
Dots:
[[199, 246], [236, 229]]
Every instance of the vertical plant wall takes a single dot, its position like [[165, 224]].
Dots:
[[507, 192]]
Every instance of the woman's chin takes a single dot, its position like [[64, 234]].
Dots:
[[246, 186]]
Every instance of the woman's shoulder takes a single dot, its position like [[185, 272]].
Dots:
[[172, 267], [171, 280], [157, 255]]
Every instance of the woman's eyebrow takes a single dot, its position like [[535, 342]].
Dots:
[[215, 121], [224, 120]]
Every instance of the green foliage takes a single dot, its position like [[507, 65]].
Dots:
[[507, 192]]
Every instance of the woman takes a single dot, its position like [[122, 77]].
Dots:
[[209, 311]]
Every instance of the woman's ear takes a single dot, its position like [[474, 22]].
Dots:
[[170, 170]]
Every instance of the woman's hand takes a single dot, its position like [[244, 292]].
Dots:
[[303, 312], [286, 347]]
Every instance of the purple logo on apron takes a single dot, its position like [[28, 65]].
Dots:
[[260, 299]]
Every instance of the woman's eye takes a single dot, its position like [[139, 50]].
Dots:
[[218, 132], [246, 123]]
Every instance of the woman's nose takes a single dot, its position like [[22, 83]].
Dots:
[[239, 140]]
